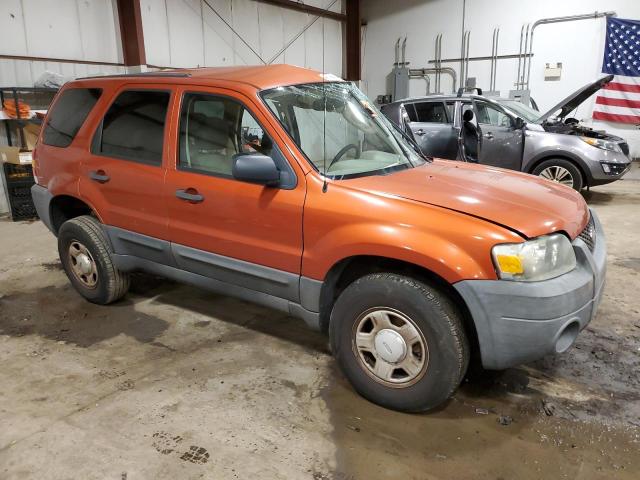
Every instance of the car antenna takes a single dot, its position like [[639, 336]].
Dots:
[[324, 120]]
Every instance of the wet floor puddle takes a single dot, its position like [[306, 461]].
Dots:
[[474, 438]]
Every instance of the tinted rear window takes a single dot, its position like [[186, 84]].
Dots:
[[133, 127], [68, 115]]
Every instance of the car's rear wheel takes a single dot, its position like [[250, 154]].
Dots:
[[560, 171], [84, 253], [399, 341]]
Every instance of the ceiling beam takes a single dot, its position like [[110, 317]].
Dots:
[[130, 19], [301, 7]]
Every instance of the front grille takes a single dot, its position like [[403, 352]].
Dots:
[[588, 235], [624, 146]]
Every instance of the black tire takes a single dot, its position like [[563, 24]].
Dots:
[[436, 319], [574, 171], [111, 284]]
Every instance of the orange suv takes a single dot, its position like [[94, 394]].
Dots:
[[281, 186]]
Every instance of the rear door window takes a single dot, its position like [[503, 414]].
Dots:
[[68, 114], [133, 127], [431, 112]]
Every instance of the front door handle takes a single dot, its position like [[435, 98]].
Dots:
[[420, 132], [189, 195], [99, 176], [488, 136]]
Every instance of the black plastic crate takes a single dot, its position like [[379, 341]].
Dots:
[[18, 173], [22, 208], [20, 200], [19, 192]]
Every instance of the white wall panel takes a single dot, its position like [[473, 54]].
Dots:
[[578, 45], [246, 23], [294, 22], [218, 40], [12, 32], [185, 31], [271, 31], [178, 33], [176, 40], [157, 41]]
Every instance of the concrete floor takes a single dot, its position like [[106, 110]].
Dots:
[[174, 382]]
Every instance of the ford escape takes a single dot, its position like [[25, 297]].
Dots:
[[277, 186]]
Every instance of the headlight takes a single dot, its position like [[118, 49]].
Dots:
[[602, 144], [538, 259]]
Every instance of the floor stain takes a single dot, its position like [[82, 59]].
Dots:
[[73, 320]]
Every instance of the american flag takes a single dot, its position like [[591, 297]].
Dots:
[[619, 101]]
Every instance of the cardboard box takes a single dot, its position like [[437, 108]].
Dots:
[[31, 132], [15, 156]]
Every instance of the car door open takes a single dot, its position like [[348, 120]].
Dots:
[[501, 143], [432, 127]]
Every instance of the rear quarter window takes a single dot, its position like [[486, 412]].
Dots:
[[68, 114]]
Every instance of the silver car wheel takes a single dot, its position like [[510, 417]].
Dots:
[[558, 174], [83, 265], [390, 347]]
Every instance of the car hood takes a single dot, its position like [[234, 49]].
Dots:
[[529, 205], [576, 98]]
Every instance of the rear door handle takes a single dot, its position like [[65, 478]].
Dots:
[[488, 136], [99, 176], [189, 195], [420, 132]]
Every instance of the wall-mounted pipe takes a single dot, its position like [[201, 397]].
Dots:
[[520, 57], [404, 49], [421, 72], [545, 21], [526, 58], [467, 43], [494, 59], [438, 61]]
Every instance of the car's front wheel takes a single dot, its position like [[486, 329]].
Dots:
[[560, 171], [399, 341]]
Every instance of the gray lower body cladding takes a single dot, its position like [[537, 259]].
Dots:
[[518, 322], [228, 276]]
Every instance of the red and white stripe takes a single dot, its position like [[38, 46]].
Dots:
[[619, 101]]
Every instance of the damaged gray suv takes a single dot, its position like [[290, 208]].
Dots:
[[509, 134]]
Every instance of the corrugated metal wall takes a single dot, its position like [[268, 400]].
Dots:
[[70, 29], [190, 33], [178, 33]]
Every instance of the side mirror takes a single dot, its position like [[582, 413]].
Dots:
[[519, 123], [256, 168]]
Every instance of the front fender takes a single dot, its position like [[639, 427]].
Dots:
[[339, 225]]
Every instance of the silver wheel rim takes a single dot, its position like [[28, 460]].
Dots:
[[390, 347], [558, 174], [83, 265]]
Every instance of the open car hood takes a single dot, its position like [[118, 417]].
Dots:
[[575, 99], [522, 203]]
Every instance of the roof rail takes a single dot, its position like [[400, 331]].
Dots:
[[144, 74]]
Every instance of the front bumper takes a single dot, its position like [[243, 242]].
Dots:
[[518, 322], [618, 164]]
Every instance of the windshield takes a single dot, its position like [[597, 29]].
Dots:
[[339, 130], [522, 110]]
